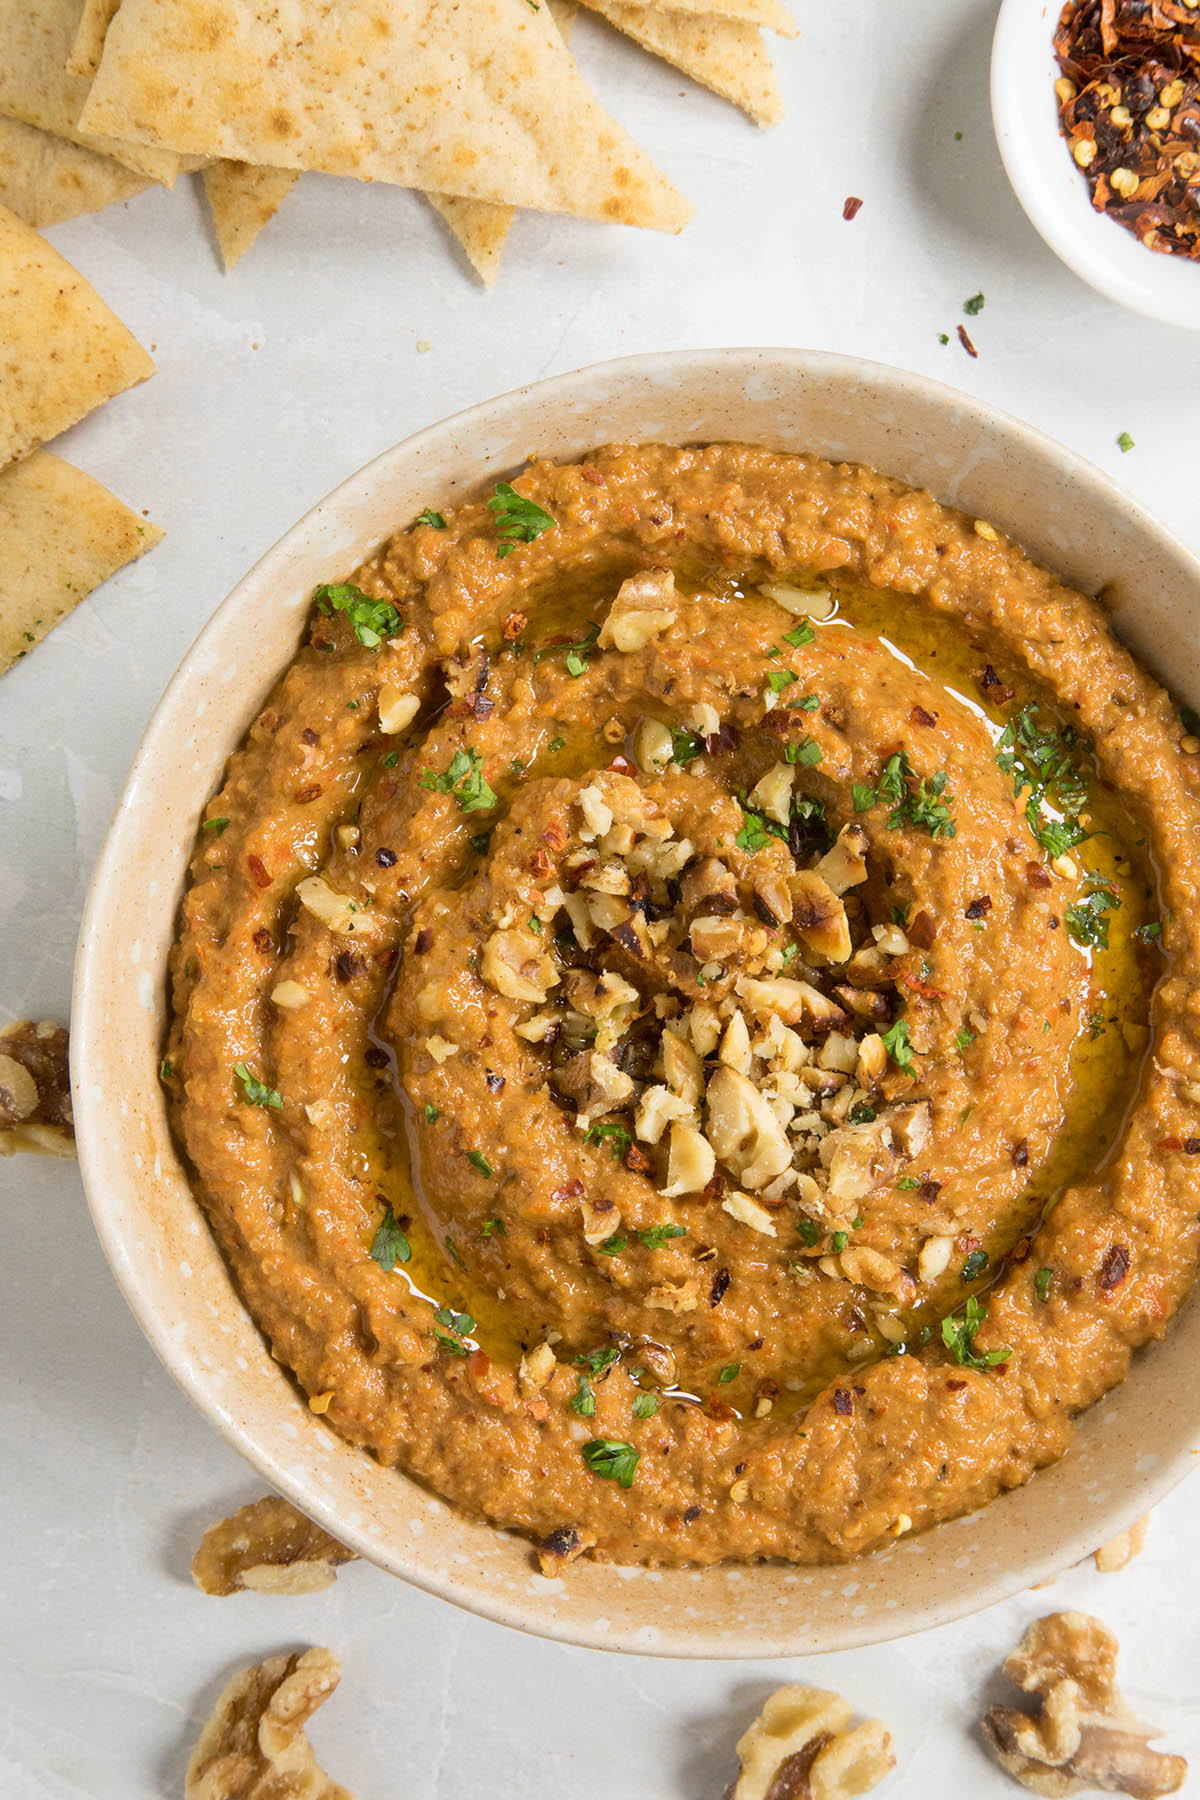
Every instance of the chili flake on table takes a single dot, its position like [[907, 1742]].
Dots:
[[1129, 108]]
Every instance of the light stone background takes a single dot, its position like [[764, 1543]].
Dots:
[[272, 386]]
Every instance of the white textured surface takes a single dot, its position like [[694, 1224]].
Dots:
[[272, 386]]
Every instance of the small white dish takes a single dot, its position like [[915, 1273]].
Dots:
[[1055, 193]]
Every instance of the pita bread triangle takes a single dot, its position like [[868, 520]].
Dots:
[[725, 55], [62, 352], [479, 98], [242, 199], [44, 179], [61, 535], [772, 14], [36, 86], [88, 45]]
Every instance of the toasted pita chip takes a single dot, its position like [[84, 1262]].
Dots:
[[480, 99], [88, 45], [269, 1547], [722, 54], [242, 199], [254, 1746], [61, 535], [772, 14], [44, 179], [62, 352], [36, 86]]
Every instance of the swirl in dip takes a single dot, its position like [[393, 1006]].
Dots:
[[686, 1021]]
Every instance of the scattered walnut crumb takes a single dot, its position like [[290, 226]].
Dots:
[[253, 1747], [801, 1747], [270, 1547], [35, 1090], [1082, 1734], [1120, 1551]]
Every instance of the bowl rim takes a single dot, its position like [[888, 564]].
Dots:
[[1033, 1565], [1055, 195]]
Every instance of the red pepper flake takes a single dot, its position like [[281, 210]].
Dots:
[[423, 942], [592, 474], [922, 987], [716, 1408], [919, 716], [258, 871], [376, 1057], [621, 765], [637, 1160], [264, 943], [1114, 1268], [718, 743], [720, 1287], [1129, 109], [514, 624], [852, 207], [965, 341], [993, 689], [307, 795], [929, 1190], [955, 1386], [843, 1401], [691, 1514], [1191, 1146], [570, 1190]]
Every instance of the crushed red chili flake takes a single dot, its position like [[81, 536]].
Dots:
[[979, 909], [720, 1287], [919, 716], [843, 1401], [258, 870], [264, 943], [423, 942], [965, 341], [852, 207], [1115, 1267], [995, 690], [1191, 1146], [1129, 108]]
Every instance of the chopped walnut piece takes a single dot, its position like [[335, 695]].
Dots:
[[802, 1747], [560, 1547], [35, 1090], [270, 1547], [643, 609], [819, 916], [744, 1131], [515, 964], [1083, 1735], [253, 1747], [846, 864], [1120, 1551], [339, 913]]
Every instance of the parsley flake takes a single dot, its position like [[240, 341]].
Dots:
[[975, 1264], [803, 634], [217, 825], [465, 780], [583, 1401], [1124, 443], [389, 1246], [618, 1138], [730, 1372], [428, 517], [974, 305], [518, 520], [1087, 920], [958, 1335], [254, 1091], [479, 1161], [373, 620], [645, 1406], [655, 1236], [1041, 1284], [895, 1042], [611, 1458], [778, 679]]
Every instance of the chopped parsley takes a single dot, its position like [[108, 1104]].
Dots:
[[895, 1042], [807, 702], [974, 305], [493, 1228], [806, 754], [389, 1246], [611, 1458], [557, 744], [428, 517], [839, 1240], [803, 634], [618, 1138], [1149, 934], [975, 1264], [655, 1236], [922, 803], [254, 1091], [757, 831], [391, 759], [432, 1115], [373, 620], [1041, 1284], [576, 653], [958, 1335], [598, 1362], [613, 1246], [908, 1183], [778, 679], [1087, 920], [465, 780], [1124, 443], [479, 1161], [1047, 764], [217, 825], [166, 1069], [864, 797], [730, 1372], [518, 520], [686, 746], [459, 1324], [645, 1406], [479, 843], [810, 1233], [962, 1039], [862, 1114], [583, 1401]]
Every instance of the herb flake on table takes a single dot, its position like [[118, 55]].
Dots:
[[1125, 443], [518, 520], [373, 620]]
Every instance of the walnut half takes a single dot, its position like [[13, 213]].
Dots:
[[35, 1090], [801, 1747], [270, 1547], [254, 1747], [1083, 1735]]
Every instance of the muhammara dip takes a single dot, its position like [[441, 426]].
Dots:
[[686, 1014]]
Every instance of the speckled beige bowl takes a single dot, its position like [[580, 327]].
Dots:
[[1130, 1450]]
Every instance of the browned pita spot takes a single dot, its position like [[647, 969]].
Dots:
[[727, 56], [62, 352], [254, 1747], [270, 1547], [45, 179], [61, 535], [38, 87], [35, 1090], [481, 99]]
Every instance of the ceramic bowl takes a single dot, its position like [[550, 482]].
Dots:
[[1053, 191], [1130, 1449]]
